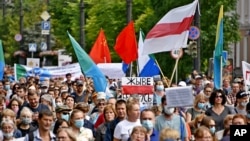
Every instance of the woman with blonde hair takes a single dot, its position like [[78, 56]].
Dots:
[[203, 134], [139, 133], [169, 134], [65, 134]]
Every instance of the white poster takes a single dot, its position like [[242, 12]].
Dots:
[[33, 62]]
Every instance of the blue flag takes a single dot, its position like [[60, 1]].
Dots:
[[2, 63], [218, 51]]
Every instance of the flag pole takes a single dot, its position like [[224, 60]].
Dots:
[[176, 63], [164, 78]]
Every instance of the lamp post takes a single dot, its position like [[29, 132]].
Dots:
[[196, 60], [82, 18], [20, 59], [129, 18]]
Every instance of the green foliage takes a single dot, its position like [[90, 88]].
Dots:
[[111, 16]]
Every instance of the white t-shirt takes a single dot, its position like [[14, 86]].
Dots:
[[124, 128]]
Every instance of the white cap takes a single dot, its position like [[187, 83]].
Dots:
[[101, 95], [182, 84]]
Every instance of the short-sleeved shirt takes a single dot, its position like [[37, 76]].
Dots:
[[219, 118], [124, 128], [176, 122], [81, 98]]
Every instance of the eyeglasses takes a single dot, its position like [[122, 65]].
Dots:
[[219, 96], [211, 125], [101, 104]]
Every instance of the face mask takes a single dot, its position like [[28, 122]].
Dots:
[[159, 87], [59, 104], [201, 105], [198, 125], [147, 124], [26, 120], [206, 96], [79, 123], [168, 111], [248, 115], [43, 90], [65, 117], [16, 110], [8, 135], [244, 104], [212, 130], [7, 87]]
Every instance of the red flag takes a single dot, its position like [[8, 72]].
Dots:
[[126, 45], [100, 50]]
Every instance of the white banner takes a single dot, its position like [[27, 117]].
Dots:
[[246, 75]]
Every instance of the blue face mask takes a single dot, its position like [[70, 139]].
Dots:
[[244, 104], [248, 115], [7, 87], [79, 123], [201, 105], [65, 117], [212, 130], [147, 124], [159, 87]]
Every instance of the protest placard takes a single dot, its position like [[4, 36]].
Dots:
[[179, 96]]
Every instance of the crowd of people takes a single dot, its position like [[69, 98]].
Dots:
[[71, 110]]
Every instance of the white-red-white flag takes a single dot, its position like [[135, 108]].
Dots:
[[171, 32]]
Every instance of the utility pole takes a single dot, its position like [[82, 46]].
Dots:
[[82, 23], [48, 37], [20, 59], [129, 18], [4, 9], [196, 60]]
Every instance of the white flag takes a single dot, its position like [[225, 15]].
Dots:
[[171, 32]]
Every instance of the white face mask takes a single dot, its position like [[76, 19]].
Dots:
[[168, 110]]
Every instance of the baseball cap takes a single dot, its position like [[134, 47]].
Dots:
[[101, 95], [198, 77], [79, 82], [62, 108], [182, 84], [241, 94]]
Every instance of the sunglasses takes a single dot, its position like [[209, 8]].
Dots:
[[101, 104], [65, 113], [219, 96]]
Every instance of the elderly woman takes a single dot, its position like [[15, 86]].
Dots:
[[7, 129], [139, 133], [11, 115], [169, 134], [47, 99], [25, 125], [109, 115]]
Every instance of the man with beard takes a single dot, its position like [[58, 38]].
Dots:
[[80, 95]]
